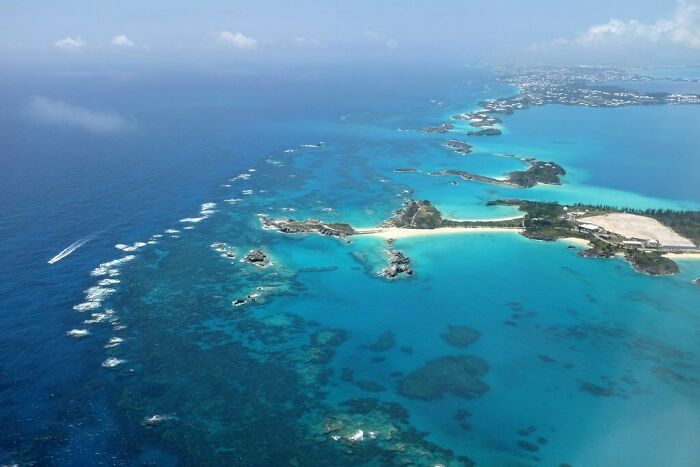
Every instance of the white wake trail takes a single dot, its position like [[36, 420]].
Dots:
[[70, 249]]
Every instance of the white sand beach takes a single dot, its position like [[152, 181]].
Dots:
[[402, 232], [575, 241]]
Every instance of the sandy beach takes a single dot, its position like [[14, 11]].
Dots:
[[400, 232], [575, 241]]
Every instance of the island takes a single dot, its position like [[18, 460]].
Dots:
[[572, 86], [485, 132], [292, 226], [444, 128], [257, 258], [460, 147], [538, 172]]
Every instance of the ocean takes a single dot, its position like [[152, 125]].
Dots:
[[560, 359]]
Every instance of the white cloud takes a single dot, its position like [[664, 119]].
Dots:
[[682, 28], [70, 43], [237, 39], [381, 38], [122, 41], [56, 112]]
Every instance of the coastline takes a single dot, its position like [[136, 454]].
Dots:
[[402, 232], [582, 242], [491, 219]]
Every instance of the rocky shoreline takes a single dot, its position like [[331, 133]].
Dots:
[[460, 147], [291, 226]]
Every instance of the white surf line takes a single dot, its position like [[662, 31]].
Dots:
[[70, 249]]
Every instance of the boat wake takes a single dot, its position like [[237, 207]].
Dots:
[[70, 249]]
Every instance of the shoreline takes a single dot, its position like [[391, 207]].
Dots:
[[582, 242], [402, 232], [491, 219], [689, 255]]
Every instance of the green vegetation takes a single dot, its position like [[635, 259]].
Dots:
[[459, 147], [291, 226], [542, 221], [485, 132], [548, 221], [651, 263], [417, 215], [538, 172], [423, 215]]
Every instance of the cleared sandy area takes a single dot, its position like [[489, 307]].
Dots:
[[693, 256], [401, 232], [638, 227]]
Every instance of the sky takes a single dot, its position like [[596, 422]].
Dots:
[[215, 32]]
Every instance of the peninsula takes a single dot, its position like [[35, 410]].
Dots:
[[538, 172], [644, 238]]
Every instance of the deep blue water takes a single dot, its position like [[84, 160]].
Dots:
[[253, 385]]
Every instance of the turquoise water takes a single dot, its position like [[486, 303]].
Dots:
[[578, 361]]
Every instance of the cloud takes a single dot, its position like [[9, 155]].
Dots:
[[122, 41], [70, 43], [381, 38], [56, 112], [237, 39], [682, 28]]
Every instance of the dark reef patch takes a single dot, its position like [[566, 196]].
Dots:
[[597, 390], [385, 341], [369, 432], [528, 446], [460, 336], [369, 386], [459, 375]]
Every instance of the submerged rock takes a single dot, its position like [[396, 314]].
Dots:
[[459, 375], [370, 432], [596, 390], [369, 386], [460, 336], [155, 420], [385, 341]]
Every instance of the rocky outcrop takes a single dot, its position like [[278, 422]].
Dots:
[[256, 257], [399, 264], [460, 147], [291, 226], [485, 132], [444, 128]]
